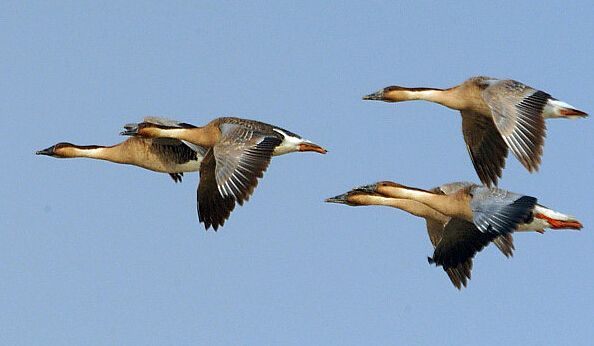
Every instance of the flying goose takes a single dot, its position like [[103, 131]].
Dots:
[[455, 237], [239, 151], [497, 115], [160, 154]]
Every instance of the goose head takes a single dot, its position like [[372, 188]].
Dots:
[[397, 93], [60, 150], [356, 196], [392, 93], [144, 129]]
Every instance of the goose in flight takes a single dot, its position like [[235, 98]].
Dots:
[[497, 115], [456, 238], [164, 155], [239, 151]]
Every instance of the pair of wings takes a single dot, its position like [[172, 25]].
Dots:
[[517, 123], [230, 171]]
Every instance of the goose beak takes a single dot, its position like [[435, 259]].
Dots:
[[309, 146], [341, 199], [378, 96], [48, 151]]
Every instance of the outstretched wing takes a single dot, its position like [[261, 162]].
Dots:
[[213, 209], [460, 242], [238, 160], [518, 115], [498, 211], [459, 274], [242, 156], [457, 241], [505, 244], [485, 145]]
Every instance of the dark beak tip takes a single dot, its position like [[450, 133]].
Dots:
[[336, 199], [376, 96], [49, 151]]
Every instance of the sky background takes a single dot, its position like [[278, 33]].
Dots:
[[98, 253]]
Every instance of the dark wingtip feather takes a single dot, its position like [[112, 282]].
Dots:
[[505, 244], [507, 218], [530, 109], [177, 177], [460, 275], [212, 208]]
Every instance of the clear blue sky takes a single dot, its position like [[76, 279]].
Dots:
[[98, 253]]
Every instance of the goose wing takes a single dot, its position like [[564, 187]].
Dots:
[[497, 211], [460, 241], [165, 122], [238, 160], [170, 150], [213, 209], [459, 274], [174, 151], [485, 145], [517, 113], [505, 242]]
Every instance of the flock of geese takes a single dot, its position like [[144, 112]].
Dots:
[[462, 218]]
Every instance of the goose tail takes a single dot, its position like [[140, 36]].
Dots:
[[559, 109], [557, 220]]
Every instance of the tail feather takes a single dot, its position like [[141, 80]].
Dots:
[[559, 109], [572, 112], [560, 223]]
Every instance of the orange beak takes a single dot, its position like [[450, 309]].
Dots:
[[312, 147]]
